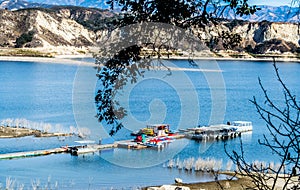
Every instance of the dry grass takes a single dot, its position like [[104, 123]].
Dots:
[[13, 132], [23, 53]]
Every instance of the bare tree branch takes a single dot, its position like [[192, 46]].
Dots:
[[283, 140]]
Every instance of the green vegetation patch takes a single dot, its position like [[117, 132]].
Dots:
[[25, 53], [23, 39]]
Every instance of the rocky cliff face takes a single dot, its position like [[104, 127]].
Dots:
[[256, 37], [73, 26], [55, 27]]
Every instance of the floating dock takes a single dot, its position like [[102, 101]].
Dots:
[[50, 151], [218, 132], [85, 149], [128, 144]]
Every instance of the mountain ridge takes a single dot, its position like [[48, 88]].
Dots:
[[269, 13], [21, 4]]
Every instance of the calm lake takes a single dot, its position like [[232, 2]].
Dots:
[[63, 96]]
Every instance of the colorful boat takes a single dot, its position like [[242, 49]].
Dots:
[[154, 130]]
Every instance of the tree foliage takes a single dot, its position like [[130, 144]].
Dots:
[[128, 62], [181, 13], [225, 40], [24, 38]]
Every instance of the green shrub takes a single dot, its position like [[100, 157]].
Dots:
[[24, 38]]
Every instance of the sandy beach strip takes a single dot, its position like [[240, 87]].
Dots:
[[75, 60], [254, 59], [56, 60], [81, 60]]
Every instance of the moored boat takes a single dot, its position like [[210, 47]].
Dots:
[[85, 147], [153, 130], [218, 132], [241, 126], [83, 150]]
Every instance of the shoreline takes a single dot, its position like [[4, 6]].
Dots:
[[17, 132], [234, 184], [51, 60], [263, 59], [69, 59], [241, 182]]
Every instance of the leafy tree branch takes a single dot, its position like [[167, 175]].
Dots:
[[129, 63]]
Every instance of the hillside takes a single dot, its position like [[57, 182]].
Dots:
[[83, 27], [256, 37], [59, 26]]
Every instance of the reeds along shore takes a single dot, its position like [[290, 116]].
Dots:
[[199, 164], [215, 165]]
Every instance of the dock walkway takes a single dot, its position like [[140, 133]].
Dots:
[[129, 144], [48, 152], [32, 153]]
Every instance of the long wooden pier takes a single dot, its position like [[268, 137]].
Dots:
[[32, 153], [48, 152]]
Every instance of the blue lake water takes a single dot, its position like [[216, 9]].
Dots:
[[62, 95]]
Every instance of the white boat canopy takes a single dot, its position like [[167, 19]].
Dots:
[[85, 142]]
